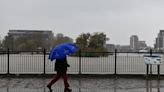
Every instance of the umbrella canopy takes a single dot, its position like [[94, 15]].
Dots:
[[62, 50]]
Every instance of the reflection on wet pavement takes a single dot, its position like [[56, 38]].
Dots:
[[85, 84]]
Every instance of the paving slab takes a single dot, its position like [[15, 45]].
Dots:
[[82, 84]]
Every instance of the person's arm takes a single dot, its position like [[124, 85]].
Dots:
[[67, 63]]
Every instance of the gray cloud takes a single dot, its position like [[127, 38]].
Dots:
[[119, 19]]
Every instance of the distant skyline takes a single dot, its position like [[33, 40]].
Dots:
[[118, 19]]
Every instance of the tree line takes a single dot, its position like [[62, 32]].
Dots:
[[91, 42]]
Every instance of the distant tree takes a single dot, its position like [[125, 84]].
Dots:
[[92, 42], [97, 40], [34, 41], [32, 45], [40, 41], [20, 43], [0, 44], [7, 43], [83, 40], [26, 44]]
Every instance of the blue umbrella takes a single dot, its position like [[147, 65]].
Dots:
[[62, 50]]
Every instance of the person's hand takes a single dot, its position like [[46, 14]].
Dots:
[[68, 65]]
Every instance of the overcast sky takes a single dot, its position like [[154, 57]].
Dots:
[[118, 19]]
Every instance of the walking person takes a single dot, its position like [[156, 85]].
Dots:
[[61, 69]]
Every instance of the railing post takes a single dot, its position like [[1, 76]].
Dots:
[[151, 52], [147, 67], [158, 70], [44, 72], [115, 68], [80, 61], [151, 64], [8, 65], [147, 70]]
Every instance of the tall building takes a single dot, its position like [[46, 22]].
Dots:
[[110, 47], [142, 45], [59, 35], [62, 38], [134, 42], [45, 37], [26, 33], [159, 44]]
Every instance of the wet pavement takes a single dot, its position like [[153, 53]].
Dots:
[[82, 84]]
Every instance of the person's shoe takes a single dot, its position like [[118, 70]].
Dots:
[[49, 87], [67, 90]]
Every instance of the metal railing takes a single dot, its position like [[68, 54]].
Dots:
[[36, 62]]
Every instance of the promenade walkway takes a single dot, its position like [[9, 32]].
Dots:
[[82, 84]]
